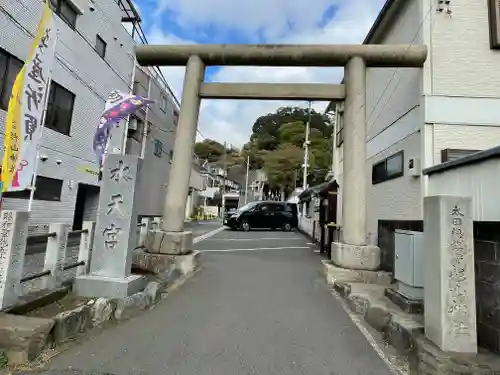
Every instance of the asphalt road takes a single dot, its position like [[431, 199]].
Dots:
[[259, 306]]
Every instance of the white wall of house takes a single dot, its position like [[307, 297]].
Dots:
[[461, 80], [451, 103], [394, 118], [79, 69], [397, 199]]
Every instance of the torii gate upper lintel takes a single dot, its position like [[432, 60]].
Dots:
[[354, 251]]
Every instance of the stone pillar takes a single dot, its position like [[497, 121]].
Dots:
[[143, 230], [85, 247], [170, 238], [449, 280], [115, 234], [354, 252], [13, 236], [55, 255]]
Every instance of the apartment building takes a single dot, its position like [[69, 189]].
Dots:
[[151, 135], [94, 55], [417, 118]]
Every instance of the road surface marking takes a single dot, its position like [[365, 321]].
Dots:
[[256, 249], [255, 239], [369, 337], [207, 235]]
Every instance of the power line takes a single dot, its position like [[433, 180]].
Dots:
[[401, 79], [395, 72]]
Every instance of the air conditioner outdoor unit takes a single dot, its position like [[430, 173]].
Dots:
[[409, 263], [414, 167]]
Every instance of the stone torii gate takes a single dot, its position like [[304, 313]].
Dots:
[[354, 252]]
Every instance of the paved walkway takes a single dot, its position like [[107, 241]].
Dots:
[[259, 306]]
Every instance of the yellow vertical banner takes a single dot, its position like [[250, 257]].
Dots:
[[25, 114]]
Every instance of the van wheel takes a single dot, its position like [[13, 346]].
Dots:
[[245, 226], [287, 227]]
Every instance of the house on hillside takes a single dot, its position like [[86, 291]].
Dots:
[[418, 118]]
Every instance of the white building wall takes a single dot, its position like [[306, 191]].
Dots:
[[80, 70], [464, 138], [462, 81], [399, 198], [394, 119], [479, 181], [462, 62], [392, 93]]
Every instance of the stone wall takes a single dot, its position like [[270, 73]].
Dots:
[[487, 262]]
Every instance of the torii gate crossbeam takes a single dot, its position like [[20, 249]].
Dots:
[[354, 251]]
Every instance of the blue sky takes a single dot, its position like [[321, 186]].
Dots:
[[255, 21]]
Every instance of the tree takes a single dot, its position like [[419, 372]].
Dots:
[[266, 129], [281, 166], [209, 149], [293, 133]]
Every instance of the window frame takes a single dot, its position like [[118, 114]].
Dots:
[[50, 108], [57, 5], [163, 103], [25, 194], [158, 148], [3, 83], [102, 42], [383, 164], [176, 117]]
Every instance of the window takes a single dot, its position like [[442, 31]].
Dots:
[[158, 150], [59, 109], [65, 10], [163, 104], [9, 68], [494, 23], [449, 154], [100, 47], [392, 167], [47, 189], [176, 118]]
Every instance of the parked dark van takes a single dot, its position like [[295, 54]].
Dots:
[[264, 215]]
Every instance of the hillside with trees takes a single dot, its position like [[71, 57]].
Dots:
[[276, 146]]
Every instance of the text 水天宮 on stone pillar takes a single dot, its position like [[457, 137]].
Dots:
[[116, 228], [13, 237], [449, 277]]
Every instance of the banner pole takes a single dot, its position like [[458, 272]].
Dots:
[[42, 122], [127, 122], [35, 172]]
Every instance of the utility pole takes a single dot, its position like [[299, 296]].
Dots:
[[335, 119], [246, 179], [306, 150], [224, 171]]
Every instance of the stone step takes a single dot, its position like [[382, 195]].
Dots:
[[381, 313], [334, 273], [22, 338]]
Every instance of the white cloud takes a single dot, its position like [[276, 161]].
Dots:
[[231, 121]]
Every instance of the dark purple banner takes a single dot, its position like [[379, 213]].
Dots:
[[118, 106]]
